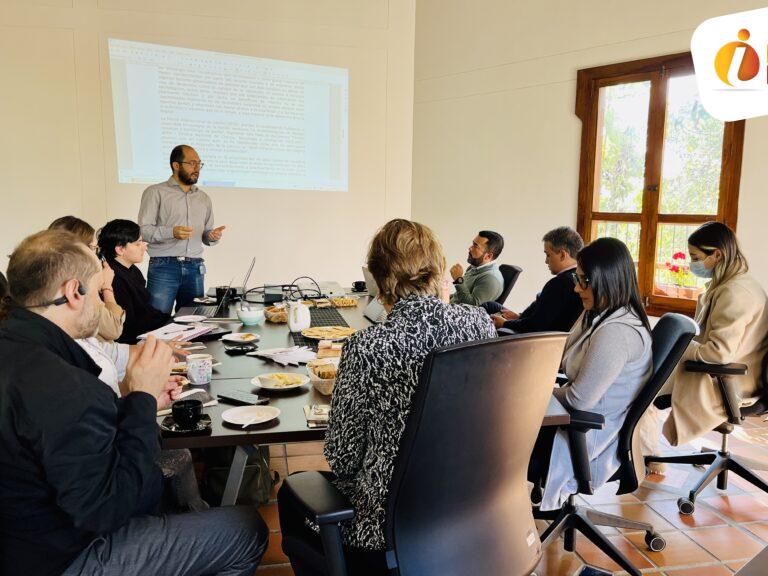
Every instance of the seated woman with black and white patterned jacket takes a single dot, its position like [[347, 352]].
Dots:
[[378, 374]]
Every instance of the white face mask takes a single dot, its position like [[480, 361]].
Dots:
[[699, 269]]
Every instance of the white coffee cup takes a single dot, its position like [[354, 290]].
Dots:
[[199, 368]]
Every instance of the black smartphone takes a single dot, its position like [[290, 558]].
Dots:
[[240, 349], [240, 398]]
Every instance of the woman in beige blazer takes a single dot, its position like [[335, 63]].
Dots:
[[733, 316]]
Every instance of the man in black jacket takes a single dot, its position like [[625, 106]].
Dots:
[[557, 306], [78, 477]]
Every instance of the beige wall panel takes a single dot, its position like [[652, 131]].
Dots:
[[293, 233], [39, 150], [496, 139], [362, 13]]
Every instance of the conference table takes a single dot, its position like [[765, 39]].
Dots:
[[236, 372]]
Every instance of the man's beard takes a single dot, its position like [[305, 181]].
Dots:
[[88, 324], [474, 261], [187, 178]]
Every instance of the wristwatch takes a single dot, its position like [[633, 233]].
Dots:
[[459, 280]]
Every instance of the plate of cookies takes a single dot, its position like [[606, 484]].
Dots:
[[328, 332], [344, 302]]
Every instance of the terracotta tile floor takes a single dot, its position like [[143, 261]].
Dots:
[[727, 530]]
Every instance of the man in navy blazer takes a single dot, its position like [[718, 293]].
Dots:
[[557, 306]]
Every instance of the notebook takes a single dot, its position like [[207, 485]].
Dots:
[[187, 332], [317, 415]]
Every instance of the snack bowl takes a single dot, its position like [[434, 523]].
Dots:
[[276, 314], [250, 317], [323, 385]]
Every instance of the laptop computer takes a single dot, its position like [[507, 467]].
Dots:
[[221, 310]]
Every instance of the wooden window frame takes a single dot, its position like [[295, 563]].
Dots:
[[658, 70]]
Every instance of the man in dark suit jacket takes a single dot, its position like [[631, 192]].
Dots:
[[557, 306]]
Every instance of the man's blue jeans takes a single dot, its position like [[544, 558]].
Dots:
[[170, 279], [228, 541]]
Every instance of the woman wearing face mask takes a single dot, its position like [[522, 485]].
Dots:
[[733, 316]]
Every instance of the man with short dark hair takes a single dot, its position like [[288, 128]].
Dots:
[[482, 282], [557, 306], [79, 479], [176, 219]]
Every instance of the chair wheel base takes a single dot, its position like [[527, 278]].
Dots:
[[686, 506], [655, 542]]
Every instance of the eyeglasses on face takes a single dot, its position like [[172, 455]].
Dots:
[[580, 281], [194, 164]]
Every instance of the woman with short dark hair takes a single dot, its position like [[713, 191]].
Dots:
[[607, 360], [733, 316], [121, 244], [378, 375]]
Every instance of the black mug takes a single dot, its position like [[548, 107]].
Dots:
[[358, 286], [221, 292], [187, 413]]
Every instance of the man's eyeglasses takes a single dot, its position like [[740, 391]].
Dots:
[[580, 281], [194, 164]]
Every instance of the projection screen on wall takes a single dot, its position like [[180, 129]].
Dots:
[[256, 122]]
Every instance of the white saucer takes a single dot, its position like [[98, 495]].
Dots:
[[244, 414], [241, 337], [191, 319]]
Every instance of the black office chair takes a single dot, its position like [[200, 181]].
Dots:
[[670, 338], [510, 274], [458, 499], [722, 461]]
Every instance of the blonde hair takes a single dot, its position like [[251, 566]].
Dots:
[[80, 228], [43, 262], [406, 258]]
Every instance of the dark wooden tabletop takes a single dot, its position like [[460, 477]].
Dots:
[[236, 372]]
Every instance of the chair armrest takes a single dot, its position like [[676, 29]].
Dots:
[[728, 389], [716, 369], [583, 421], [320, 500]]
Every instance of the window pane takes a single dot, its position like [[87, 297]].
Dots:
[[627, 232], [693, 148], [621, 147], [672, 274]]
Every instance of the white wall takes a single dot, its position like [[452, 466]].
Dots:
[[57, 150], [496, 139]]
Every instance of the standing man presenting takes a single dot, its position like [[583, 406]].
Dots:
[[176, 219]]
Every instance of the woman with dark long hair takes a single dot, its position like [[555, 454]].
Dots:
[[607, 360], [733, 316]]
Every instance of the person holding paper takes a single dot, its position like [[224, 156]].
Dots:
[[176, 219], [121, 244]]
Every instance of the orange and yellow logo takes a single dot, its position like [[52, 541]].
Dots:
[[738, 57], [730, 57]]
